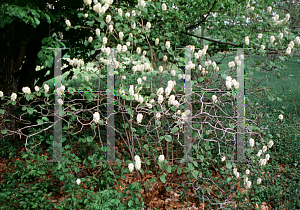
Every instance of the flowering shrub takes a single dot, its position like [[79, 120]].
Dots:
[[161, 107]]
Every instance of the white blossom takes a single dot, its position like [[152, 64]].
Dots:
[[260, 36], [127, 15], [280, 36], [269, 9], [247, 40], [1, 93], [258, 181], [280, 117], [251, 141], [160, 69], [259, 153], [223, 158], [249, 184], [104, 40], [60, 102], [98, 32], [46, 88], [267, 157], [119, 47], [160, 99], [36, 88], [165, 58], [158, 115], [272, 39], [288, 51], [164, 7], [270, 144], [87, 2], [160, 91], [138, 50], [86, 15], [139, 118], [130, 167], [26, 90], [74, 77], [156, 41], [139, 80], [124, 48], [265, 148], [78, 181], [68, 23], [148, 25], [137, 162], [161, 158], [262, 47], [90, 39], [247, 171], [110, 28], [120, 12], [97, 8], [167, 45], [121, 35], [214, 98], [173, 72], [86, 78], [108, 18], [96, 117], [13, 96]]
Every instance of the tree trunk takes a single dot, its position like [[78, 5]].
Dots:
[[13, 43]]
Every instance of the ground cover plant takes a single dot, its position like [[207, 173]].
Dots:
[[149, 129]]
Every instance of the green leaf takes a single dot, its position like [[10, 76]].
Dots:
[[168, 138], [169, 169], [169, 189], [130, 203], [39, 121], [4, 131], [89, 139], [153, 180], [228, 165], [281, 58], [174, 130], [30, 110], [163, 178], [45, 118], [130, 112], [179, 170], [24, 108], [195, 173], [102, 24], [201, 79]]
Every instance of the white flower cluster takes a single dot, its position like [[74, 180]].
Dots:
[[141, 3], [76, 62], [272, 39], [251, 141], [1, 94], [164, 7], [78, 181], [260, 36], [161, 158], [46, 88], [247, 183], [68, 23], [190, 65], [214, 98], [96, 117], [237, 174], [139, 118], [223, 158], [231, 82], [130, 167], [137, 162], [168, 44], [26, 90], [156, 41], [13, 96], [231, 64], [148, 26], [247, 40], [280, 22]]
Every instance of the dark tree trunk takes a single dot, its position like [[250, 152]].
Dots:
[[13, 44]]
